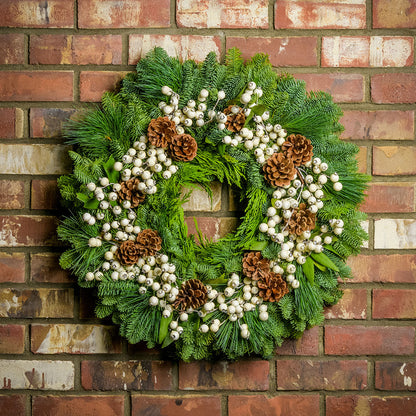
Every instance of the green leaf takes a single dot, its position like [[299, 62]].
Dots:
[[82, 197], [92, 204], [167, 341], [163, 328], [222, 280], [323, 259], [221, 149], [309, 270], [258, 245], [112, 174]]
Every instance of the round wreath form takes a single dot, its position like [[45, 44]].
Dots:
[[174, 125]]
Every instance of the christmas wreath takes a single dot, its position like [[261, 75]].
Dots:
[[175, 124]]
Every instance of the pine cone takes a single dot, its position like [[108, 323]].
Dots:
[[235, 122], [148, 242], [129, 192], [298, 148], [128, 252], [254, 265], [301, 220], [279, 170], [183, 147], [272, 287], [193, 294], [160, 131]]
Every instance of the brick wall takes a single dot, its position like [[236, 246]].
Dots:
[[57, 56]]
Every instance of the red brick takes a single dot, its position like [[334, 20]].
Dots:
[[395, 375], [353, 305], [12, 339], [394, 14], [36, 85], [12, 194], [394, 303], [78, 405], [321, 375], [14, 404], [226, 14], [308, 344], [393, 88], [22, 230], [346, 88], [12, 267], [102, 14], [242, 375], [289, 51], [182, 46], [36, 303], [370, 406], [76, 50], [362, 159], [369, 340], [45, 194], [126, 375], [273, 406], [94, 84], [7, 123], [45, 268], [12, 48], [48, 122], [30, 13], [394, 160], [378, 125], [318, 14]]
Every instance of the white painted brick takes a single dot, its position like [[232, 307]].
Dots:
[[394, 234]]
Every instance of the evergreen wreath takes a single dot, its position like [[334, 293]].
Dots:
[[175, 124]]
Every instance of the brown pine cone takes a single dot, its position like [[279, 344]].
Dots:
[[301, 220], [128, 252], [183, 147], [235, 122], [148, 242], [279, 170], [254, 265], [298, 148], [193, 294], [129, 192], [160, 131], [272, 287]]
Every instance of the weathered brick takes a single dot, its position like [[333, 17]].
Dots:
[[22, 230], [353, 305], [181, 46], [213, 228], [34, 159], [370, 406], [14, 404], [362, 159], [395, 375], [308, 344], [394, 303], [12, 48], [199, 199], [11, 123], [36, 303], [226, 14], [321, 375], [94, 84], [75, 49], [45, 194], [382, 268], [78, 405], [45, 268], [288, 51], [48, 122], [394, 14], [243, 375], [74, 339], [126, 375], [378, 125], [29, 13], [346, 88], [318, 14], [394, 234], [273, 406], [37, 375], [394, 160], [369, 340], [12, 267], [393, 88], [102, 14], [175, 405], [12, 194], [12, 339], [36, 85]]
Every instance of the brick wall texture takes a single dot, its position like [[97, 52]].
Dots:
[[56, 358]]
